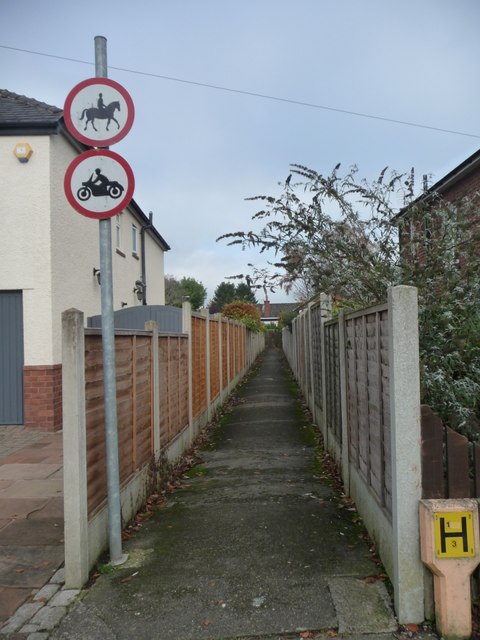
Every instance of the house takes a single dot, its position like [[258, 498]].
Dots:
[[270, 312], [49, 259], [417, 231]]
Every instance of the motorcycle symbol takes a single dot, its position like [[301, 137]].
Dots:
[[99, 185]]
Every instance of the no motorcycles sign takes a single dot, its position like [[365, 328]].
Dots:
[[99, 183], [99, 112]]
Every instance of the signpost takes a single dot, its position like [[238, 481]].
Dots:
[[98, 184]]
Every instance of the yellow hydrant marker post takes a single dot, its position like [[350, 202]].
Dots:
[[449, 534]]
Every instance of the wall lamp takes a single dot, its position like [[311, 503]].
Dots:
[[96, 273], [139, 289]]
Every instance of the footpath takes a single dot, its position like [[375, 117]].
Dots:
[[31, 514], [254, 544]]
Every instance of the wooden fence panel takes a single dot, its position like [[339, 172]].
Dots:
[[332, 381], [214, 360], [450, 463], [142, 401], [173, 383], [225, 352], [368, 401], [134, 416], [433, 483], [199, 364], [317, 382], [458, 478]]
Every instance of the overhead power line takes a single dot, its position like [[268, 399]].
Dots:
[[253, 94]]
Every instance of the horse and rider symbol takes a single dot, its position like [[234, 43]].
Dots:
[[99, 185], [101, 112]]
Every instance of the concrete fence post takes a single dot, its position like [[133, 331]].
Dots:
[[74, 450], [408, 573], [152, 326], [187, 329]]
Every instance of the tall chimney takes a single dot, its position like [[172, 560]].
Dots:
[[266, 309]]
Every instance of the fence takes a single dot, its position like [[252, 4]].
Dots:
[[360, 374], [450, 463], [168, 387]]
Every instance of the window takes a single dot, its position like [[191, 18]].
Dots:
[[134, 239]]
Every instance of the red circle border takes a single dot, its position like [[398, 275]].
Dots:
[[120, 206], [85, 139]]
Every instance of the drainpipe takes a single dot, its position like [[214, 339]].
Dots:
[[142, 245]]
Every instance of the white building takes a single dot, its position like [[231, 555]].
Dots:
[[48, 257]]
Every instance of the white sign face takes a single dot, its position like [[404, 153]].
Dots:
[[99, 183], [99, 112]]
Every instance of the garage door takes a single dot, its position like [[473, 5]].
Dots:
[[11, 357]]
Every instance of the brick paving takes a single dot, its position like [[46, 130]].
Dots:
[[31, 514]]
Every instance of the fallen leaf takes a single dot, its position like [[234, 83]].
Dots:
[[306, 634], [127, 579], [332, 633], [19, 570], [206, 622], [413, 628]]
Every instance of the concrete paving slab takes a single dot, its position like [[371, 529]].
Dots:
[[27, 471], [33, 533], [33, 489], [362, 606], [20, 507], [53, 508], [28, 567]]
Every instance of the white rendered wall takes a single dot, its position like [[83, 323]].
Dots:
[[155, 272], [25, 249]]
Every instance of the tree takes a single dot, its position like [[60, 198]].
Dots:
[[176, 291], [227, 292], [338, 240], [173, 291], [244, 312], [243, 292], [339, 234], [195, 291], [224, 293]]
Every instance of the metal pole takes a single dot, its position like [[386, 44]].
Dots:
[[109, 369]]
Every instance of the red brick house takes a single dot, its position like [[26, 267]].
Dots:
[[417, 230]]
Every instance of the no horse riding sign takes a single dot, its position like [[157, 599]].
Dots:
[[99, 112]]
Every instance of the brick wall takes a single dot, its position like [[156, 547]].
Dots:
[[42, 389]]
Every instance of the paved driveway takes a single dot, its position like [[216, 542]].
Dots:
[[31, 513]]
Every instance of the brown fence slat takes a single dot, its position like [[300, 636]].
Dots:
[[457, 465], [476, 470], [432, 455]]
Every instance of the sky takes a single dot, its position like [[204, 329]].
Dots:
[[199, 152]]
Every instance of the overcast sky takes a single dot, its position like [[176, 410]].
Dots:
[[198, 152]]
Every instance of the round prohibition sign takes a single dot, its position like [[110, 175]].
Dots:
[[99, 183], [99, 112]]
